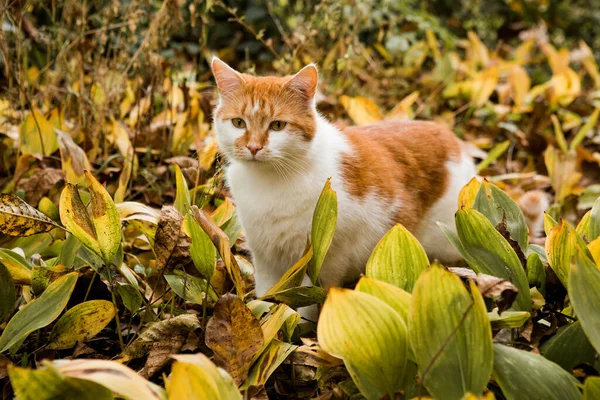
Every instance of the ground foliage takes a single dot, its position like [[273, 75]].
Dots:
[[123, 268]]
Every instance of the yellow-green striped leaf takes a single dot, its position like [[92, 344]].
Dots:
[[395, 297], [584, 292], [323, 227], [561, 244]]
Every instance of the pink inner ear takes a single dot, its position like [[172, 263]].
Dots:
[[305, 80], [227, 78]]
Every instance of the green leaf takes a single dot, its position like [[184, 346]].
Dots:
[[549, 223], [487, 252], [202, 249], [8, 294], [397, 259], [590, 223], [536, 272], [582, 132], [559, 135], [450, 335], [395, 297], [271, 358], [49, 384], [569, 347], [190, 288], [561, 244], [528, 376], [300, 296], [132, 299], [508, 319], [17, 218], [591, 389], [584, 292], [293, 277], [323, 227], [68, 251], [105, 219], [18, 267], [375, 357], [182, 195], [39, 312], [81, 323], [497, 206], [493, 155], [194, 376]]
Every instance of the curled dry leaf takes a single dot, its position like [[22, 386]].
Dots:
[[167, 236], [40, 183], [235, 336], [490, 286], [17, 218], [73, 158]]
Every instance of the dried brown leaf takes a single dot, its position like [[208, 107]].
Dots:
[[167, 237], [40, 183], [235, 336], [490, 286]]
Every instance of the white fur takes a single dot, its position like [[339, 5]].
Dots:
[[275, 206]]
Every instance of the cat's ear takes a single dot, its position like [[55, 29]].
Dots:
[[305, 81], [227, 78]]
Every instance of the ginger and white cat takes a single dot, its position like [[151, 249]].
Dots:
[[280, 152]]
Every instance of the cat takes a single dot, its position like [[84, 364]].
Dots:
[[280, 152]]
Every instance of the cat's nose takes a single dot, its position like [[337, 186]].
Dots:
[[254, 148]]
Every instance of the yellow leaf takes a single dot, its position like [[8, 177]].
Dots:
[[561, 244], [467, 194], [403, 109], [563, 172], [17, 218], [477, 52], [594, 248], [223, 213], [98, 94], [484, 85], [523, 52], [363, 111], [208, 154], [105, 219], [323, 228], [520, 84], [73, 159], [74, 216], [33, 128], [558, 134]]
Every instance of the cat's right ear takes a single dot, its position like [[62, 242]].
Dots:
[[227, 78]]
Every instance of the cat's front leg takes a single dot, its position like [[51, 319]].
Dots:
[[265, 275]]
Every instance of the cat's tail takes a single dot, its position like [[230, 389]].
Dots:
[[533, 204]]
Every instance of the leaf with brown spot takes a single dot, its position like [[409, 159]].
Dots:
[[235, 336], [40, 183], [17, 218], [73, 159], [74, 215]]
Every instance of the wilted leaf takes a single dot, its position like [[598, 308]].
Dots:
[[8, 294], [39, 312], [280, 317], [223, 213], [105, 219], [271, 358], [569, 347], [113, 375], [293, 277], [49, 384], [450, 335], [18, 218], [74, 216], [167, 236], [543, 379], [40, 183], [397, 259], [17, 266], [584, 292], [74, 161], [42, 276], [375, 357], [467, 194], [563, 172], [196, 377], [81, 323], [362, 110], [235, 336], [323, 228]]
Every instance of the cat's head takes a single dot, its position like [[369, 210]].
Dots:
[[264, 119]]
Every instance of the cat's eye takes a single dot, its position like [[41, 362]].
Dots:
[[277, 125], [238, 123]]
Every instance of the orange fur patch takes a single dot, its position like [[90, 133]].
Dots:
[[401, 159]]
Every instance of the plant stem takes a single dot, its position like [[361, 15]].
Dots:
[[114, 300], [204, 302]]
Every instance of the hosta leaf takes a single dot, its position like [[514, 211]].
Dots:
[[397, 259], [549, 223], [105, 219], [450, 335], [561, 244], [132, 299], [569, 347], [300, 296], [487, 252], [467, 194], [590, 223], [375, 357], [8, 294], [395, 297], [49, 384], [584, 292], [271, 358], [508, 319], [591, 389], [323, 227], [118, 378], [74, 216], [182, 196], [81, 323], [235, 336], [36, 135], [18, 218], [190, 288], [202, 249], [194, 376], [18, 267], [39, 312], [536, 272], [543, 379], [497, 206]]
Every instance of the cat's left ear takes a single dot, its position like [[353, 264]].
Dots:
[[228, 79], [305, 81]]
